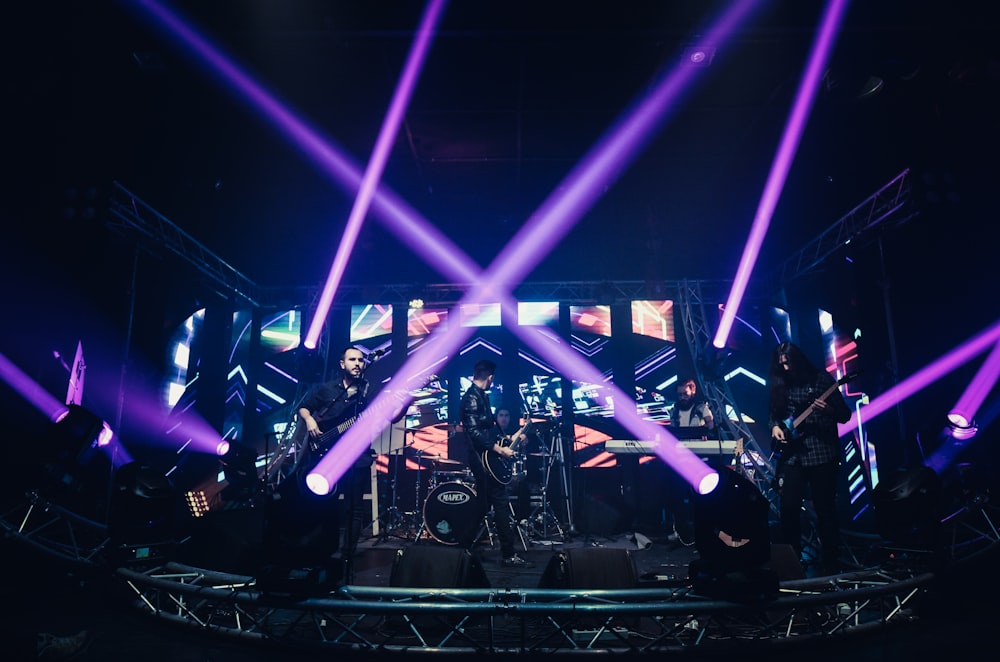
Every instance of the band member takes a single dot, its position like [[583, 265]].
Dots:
[[690, 410], [326, 413], [483, 435], [810, 454]]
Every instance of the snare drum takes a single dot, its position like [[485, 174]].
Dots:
[[463, 476], [451, 512]]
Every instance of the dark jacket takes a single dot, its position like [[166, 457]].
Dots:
[[479, 425]]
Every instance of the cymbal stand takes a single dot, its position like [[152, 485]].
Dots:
[[488, 527], [393, 518], [542, 517], [418, 514], [559, 457]]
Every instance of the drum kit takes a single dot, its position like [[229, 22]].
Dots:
[[449, 513]]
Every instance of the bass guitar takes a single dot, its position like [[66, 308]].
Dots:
[[330, 432], [791, 425], [502, 468]]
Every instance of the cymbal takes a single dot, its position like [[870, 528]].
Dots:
[[447, 462], [542, 454]]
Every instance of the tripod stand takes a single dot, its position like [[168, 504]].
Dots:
[[542, 519], [395, 522]]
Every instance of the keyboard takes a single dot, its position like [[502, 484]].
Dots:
[[696, 446]]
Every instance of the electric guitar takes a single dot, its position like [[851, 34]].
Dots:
[[502, 468], [791, 425]]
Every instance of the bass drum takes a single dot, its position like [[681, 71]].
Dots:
[[451, 513]]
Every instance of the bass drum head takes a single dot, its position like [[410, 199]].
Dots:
[[451, 513]]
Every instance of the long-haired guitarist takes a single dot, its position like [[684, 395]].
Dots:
[[805, 406], [483, 435]]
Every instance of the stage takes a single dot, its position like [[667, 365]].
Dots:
[[626, 592]]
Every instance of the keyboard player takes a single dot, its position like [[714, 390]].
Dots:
[[689, 415]]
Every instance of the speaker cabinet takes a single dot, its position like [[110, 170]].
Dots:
[[785, 562], [908, 506], [591, 568], [428, 566]]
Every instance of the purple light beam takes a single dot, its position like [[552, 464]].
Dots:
[[51, 408], [822, 47], [387, 205], [29, 389], [933, 372], [964, 411], [376, 166], [558, 213]]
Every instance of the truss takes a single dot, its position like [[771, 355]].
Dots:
[[523, 620], [133, 214], [892, 202], [752, 460], [642, 620]]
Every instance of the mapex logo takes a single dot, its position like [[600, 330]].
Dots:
[[453, 497]]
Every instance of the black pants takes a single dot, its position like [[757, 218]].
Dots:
[[492, 494], [821, 483]]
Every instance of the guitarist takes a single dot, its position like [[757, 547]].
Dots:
[[810, 452], [324, 409], [484, 435]]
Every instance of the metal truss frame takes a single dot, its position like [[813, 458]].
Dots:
[[491, 620], [892, 202], [55, 530], [645, 620], [133, 213], [753, 461]]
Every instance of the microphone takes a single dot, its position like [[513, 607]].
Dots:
[[376, 354]]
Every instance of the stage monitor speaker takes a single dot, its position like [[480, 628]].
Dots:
[[785, 562], [908, 507], [143, 506], [226, 540], [430, 566], [591, 568], [600, 518]]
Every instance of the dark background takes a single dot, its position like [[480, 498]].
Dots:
[[512, 95]]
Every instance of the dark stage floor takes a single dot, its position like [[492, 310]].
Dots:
[[956, 615]]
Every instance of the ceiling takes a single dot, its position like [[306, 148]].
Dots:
[[511, 97]]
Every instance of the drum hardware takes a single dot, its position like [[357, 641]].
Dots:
[[488, 528], [542, 519], [462, 476], [396, 522]]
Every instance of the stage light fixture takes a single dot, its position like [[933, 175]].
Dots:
[[961, 427], [908, 508], [699, 56], [77, 429], [239, 464], [733, 540], [75, 470]]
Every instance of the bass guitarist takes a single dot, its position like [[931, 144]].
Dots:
[[325, 414], [804, 409], [483, 435]]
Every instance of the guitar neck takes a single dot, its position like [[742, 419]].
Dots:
[[516, 438], [336, 431], [826, 394]]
